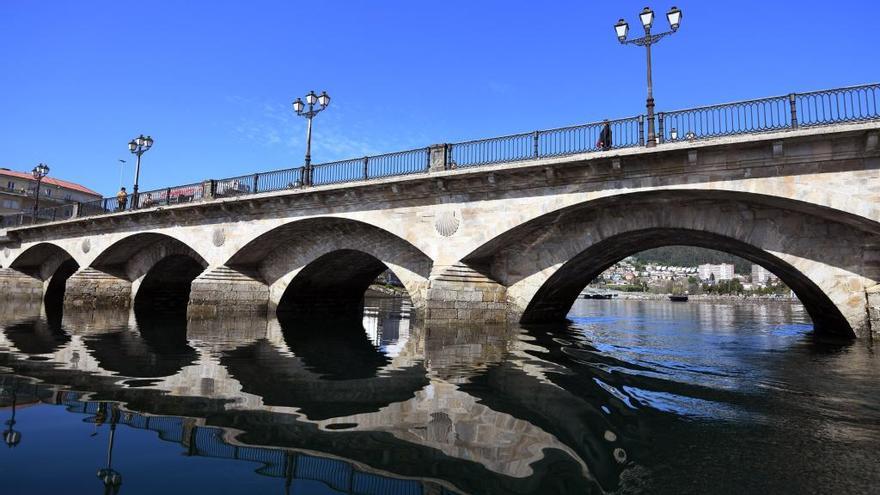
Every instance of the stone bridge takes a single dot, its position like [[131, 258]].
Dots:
[[505, 242]]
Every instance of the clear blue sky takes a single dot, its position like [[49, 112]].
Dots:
[[212, 81]]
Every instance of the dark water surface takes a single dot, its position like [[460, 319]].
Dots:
[[632, 397]]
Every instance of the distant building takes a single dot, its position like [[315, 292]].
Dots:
[[17, 192], [724, 271], [761, 276]]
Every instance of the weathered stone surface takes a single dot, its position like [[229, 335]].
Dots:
[[90, 289]]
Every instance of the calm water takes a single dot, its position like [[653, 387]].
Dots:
[[632, 397]]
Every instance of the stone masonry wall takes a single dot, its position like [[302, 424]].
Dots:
[[224, 291], [91, 289], [16, 286], [458, 294]]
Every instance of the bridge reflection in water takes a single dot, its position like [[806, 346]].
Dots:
[[381, 405], [383, 399]]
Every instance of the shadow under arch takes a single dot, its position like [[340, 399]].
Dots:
[[555, 298], [166, 286], [332, 285], [40, 260], [306, 261], [160, 267]]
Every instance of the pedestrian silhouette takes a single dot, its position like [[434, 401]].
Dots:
[[604, 142]]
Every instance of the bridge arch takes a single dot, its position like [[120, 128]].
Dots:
[[50, 265], [823, 255], [330, 257], [156, 268]]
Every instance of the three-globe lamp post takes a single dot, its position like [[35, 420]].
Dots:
[[646, 16], [138, 146], [39, 172], [322, 101]]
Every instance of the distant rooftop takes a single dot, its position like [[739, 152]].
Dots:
[[50, 180]]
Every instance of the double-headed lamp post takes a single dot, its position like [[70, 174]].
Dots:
[[40, 171], [138, 146], [647, 18], [322, 100]]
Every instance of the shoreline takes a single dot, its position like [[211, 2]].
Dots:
[[640, 296]]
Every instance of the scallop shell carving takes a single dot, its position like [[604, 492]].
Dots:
[[86, 245], [447, 224], [219, 237]]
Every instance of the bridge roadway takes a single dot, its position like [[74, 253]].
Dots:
[[512, 241]]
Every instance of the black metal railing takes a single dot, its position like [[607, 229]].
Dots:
[[816, 108], [744, 117], [853, 104], [625, 133]]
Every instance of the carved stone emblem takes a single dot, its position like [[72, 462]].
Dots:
[[447, 223], [219, 237], [86, 246], [5, 252]]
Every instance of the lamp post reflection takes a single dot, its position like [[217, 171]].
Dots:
[[11, 437], [111, 478]]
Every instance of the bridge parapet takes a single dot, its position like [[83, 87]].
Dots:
[[781, 113]]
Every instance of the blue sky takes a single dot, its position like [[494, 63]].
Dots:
[[212, 82]]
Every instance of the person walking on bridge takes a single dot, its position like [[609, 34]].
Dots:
[[121, 199], [604, 142]]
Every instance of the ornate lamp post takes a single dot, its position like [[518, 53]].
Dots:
[[40, 171], [323, 100], [138, 146], [647, 19]]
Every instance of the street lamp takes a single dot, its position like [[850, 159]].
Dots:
[[40, 171], [322, 100], [646, 16], [138, 146]]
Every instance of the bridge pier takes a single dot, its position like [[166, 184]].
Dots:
[[17, 286], [91, 289], [222, 291], [458, 295]]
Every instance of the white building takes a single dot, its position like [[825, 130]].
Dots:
[[724, 271], [761, 276]]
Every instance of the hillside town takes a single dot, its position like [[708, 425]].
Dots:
[[633, 275]]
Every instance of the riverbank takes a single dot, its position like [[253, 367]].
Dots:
[[380, 291], [714, 298]]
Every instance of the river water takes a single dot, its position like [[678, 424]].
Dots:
[[630, 397]]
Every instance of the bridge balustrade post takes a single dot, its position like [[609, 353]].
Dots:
[[792, 101], [437, 158], [535, 137], [366, 165], [256, 182], [661, 135], [641, 130]]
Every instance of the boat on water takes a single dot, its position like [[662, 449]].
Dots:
[[598, 296], [678, 297]]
